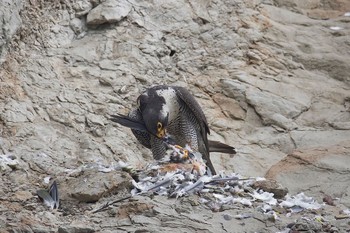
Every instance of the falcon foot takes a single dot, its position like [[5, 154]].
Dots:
[[181, 155], [178, 154]]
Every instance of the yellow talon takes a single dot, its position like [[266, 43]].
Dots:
[[186, 154]]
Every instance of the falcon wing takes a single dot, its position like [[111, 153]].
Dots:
[[128, 122], [135, 123], [197, 111], [193, 105]]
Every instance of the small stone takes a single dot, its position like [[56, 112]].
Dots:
[[17, 112], [40, 229], [110, 11], [23, 195], [341, 216], [254, 57], [91, 185], [133, 208], [77, 25], [328, 200], [142, 231], [82, 7], [227, 217], [93, 119], [193, 200], [76, 227], [271, 186], [230, 107], [143, 220], [334, 229]]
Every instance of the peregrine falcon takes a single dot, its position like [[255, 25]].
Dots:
[[171, 112]]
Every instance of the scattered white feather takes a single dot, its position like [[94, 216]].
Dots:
[[47, 179], [347, 14], [206, 179], [335, 28], [216, 191], [243, 201], [243, 216], [134, 192], [223, 199], [265, 197], [105, 169], [138, 185], [302, 201], [272, 215], [190, 189], [203, 200], [266, 208], [8, 161], [122, 164], [260, 178], [347, 212]]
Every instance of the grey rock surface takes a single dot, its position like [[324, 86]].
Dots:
[[87, 186], [10, 21], [272, 78], [110, 11], [309, 164]]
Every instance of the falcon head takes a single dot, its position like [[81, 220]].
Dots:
[[155, 123], [154, 112]]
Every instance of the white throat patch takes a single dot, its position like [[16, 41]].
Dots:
[[171, 105]]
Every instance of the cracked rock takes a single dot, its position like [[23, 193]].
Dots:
[[91, 185], [110, 11]]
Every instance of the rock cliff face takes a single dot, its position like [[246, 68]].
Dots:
[[273, 78]]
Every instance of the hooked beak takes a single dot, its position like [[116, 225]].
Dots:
[[161, 133]]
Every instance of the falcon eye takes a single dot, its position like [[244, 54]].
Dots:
[[159, 126]]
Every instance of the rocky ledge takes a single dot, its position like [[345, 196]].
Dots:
[[272, 77]]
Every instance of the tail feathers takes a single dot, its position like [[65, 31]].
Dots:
[[215, 146]]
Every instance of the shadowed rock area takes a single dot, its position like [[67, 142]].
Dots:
[[273, 78]]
